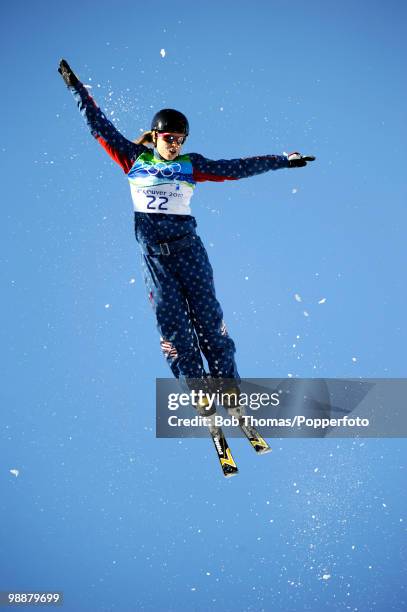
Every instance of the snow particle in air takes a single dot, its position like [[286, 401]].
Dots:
[[326, 576], [297, 297], [294, 190], [162, 52], [322, 301], [354, 359], [107, 305], [15, 472]]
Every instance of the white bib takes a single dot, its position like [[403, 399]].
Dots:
[[168, 198]]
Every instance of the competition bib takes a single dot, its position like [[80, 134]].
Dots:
[[161, 186], [170, 199]]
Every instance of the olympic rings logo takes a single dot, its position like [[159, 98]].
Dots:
[[166, 170]]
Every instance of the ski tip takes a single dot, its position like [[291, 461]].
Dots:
[[230, 474], [260, 446], [264, 451]]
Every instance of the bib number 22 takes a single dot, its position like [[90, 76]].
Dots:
[[153, 201]]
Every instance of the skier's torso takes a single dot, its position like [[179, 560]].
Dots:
[[161, 191]]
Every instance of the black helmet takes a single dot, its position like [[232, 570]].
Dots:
[[170, 120]]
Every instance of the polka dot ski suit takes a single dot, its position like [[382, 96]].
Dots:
[[177, 271]]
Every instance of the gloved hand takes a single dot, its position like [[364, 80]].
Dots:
[[67, 74], [296, 160]]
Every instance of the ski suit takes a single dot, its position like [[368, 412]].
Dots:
[[177, 272]]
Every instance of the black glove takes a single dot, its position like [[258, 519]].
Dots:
[[296, 160], [67, 74]]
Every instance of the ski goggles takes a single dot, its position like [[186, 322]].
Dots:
[[171, 139]]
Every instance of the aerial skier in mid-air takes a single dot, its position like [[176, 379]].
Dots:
[[177, 271]]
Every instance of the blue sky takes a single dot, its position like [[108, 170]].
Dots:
[[99, 504]]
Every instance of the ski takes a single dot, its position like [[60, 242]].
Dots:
[[227, 463], [234, 408], [258, 443]]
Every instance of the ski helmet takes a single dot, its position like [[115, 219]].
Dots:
[[170, 120]]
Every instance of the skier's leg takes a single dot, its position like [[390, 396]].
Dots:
[[179, 342], [214, 341]]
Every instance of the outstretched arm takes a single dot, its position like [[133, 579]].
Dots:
[[121, 150], [232, 169]]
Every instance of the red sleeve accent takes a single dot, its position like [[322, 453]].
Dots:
[[119, 158], [200, 177]]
